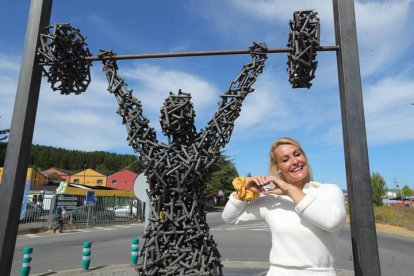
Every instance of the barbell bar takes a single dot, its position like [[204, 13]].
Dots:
[[66, 59], [200, 53]]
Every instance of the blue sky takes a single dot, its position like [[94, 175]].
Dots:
[[89, 121]]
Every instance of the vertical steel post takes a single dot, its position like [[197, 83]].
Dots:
[[21, 134], [364, 238]]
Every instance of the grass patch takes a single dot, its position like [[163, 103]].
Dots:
[[402, 217]]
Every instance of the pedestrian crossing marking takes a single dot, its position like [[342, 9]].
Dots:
[[81, 230], [31, 235], [244, 227], [241, 226], [104, 228]]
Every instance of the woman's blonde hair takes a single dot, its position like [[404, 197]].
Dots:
[[273, 170]]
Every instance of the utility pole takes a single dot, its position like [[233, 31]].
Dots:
[[396, 185]]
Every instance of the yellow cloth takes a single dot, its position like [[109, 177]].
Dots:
[[242, 192]]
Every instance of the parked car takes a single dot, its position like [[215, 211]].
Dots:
[[33, 212], [96, 213], [125, 211]]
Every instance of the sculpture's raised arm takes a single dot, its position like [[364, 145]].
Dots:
[[141, 137], [220, 127]]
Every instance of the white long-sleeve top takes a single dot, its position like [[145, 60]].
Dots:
[[304, 237]]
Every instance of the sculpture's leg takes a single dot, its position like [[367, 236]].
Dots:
[[177, 240]]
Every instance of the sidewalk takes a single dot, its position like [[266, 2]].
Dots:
[[231, 268]]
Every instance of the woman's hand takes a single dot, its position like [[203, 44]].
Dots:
[[255, 183], [284, 188], [281, 186]]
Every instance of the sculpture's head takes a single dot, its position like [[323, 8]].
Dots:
[[177, 118]]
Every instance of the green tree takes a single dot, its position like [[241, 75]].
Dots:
[[3, 133], [44, 157], [406, 191], [221, 177], [3, 147], [379, 188], [102, 169], [398, 193]]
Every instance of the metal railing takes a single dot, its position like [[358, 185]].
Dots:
[[41, 213]]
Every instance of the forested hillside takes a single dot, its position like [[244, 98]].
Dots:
[[44, 157]]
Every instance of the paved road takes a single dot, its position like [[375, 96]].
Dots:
[[244, 250]]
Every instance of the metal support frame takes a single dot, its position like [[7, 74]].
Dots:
[[364, 238], [21, 134]]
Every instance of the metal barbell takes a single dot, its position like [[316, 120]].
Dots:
[[66, 59]]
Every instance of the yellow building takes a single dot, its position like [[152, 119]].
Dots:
[[37, 177], [105, 193], [89, 177]]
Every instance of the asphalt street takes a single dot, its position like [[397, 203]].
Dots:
[[244, 250]]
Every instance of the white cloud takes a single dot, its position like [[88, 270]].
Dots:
[[388, 110], [272, 106], [152, 84], [382, 26], [333, 135], [272, 10], [85, 122], [265, 106], [89, 121], [260, 20], [182, 47], [382, 34], [275, 107], [9, 71], [9, 64]]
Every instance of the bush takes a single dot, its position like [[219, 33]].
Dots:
[[397, 216], [385, 214]]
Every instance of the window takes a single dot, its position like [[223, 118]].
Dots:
[[76, 180], [99, 181], [114, 182]]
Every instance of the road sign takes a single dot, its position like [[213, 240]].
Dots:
[[70, 202], [140, 187], [90, 197]]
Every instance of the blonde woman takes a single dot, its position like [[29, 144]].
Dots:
[[304, 216]]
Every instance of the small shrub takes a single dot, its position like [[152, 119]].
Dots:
[[385, 214], [397, 216]]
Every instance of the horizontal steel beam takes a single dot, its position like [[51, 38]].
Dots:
[[200, 53]]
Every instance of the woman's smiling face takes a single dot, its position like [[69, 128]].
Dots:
[[292, 164]]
